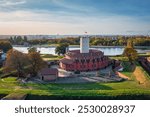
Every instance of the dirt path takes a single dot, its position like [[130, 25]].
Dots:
[[123, 76]]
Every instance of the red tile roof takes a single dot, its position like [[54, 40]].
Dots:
[[77, 54], [49, 71], [66, 61], [74, 55]]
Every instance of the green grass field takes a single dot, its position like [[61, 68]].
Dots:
[[130, 89], [11, 85], [49, 57]]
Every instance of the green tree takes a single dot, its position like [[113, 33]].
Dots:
[[25, 38], [11, 39], [32, 49], [61, 48], [19, 40], [5, 45]]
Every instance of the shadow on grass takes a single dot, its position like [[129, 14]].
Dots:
[[93, 95], [82, 86], [2, 95], [128, 67], [102, 97]]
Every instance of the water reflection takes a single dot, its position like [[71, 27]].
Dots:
[[106, 50]]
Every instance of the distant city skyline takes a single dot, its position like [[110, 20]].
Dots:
[[71, 17]]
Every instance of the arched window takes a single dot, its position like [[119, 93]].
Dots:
[[76, 60], [97, 59], [42, 77], [93, 60], [88, 60]]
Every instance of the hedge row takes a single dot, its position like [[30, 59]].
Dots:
[[99, 97], [2, 95]]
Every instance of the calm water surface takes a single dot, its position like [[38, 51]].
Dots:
[[106, 50]]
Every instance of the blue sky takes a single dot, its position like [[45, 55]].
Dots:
[[74, 16]]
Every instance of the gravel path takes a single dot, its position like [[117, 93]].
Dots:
[[86, 77], [86, 80]]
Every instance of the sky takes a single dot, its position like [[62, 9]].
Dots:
[[71, 17]]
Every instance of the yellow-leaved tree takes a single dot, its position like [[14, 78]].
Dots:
[[36, 62], [130, 52], [16, 62]]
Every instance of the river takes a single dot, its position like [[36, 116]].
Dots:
[[106, 50]]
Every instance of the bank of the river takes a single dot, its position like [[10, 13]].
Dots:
[[77, 46], [108, 50]]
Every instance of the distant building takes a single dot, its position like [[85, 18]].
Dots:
[[84, 59], [48, 74]]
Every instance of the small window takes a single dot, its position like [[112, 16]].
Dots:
[[42, 77]]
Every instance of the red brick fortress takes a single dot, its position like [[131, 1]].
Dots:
[[76, 61], [84, 59]]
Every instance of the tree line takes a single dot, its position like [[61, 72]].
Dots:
[[97, 41], [20, 40], [5, 46], [120, 41]]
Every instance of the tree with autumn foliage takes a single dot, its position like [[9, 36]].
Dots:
[[24, 64], [130, 52], [35, 61], [16, 62]]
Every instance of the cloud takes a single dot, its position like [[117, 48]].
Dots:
[[38, 15], [6, 3], [73, 6], [65, 17], [46, 22]]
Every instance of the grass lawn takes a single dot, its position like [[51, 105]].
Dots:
[[11, 85], [128, 70], [49, 57], [119, 58], [144, 54], [127, 89]]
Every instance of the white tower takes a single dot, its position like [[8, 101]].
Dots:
[[84, 44]]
